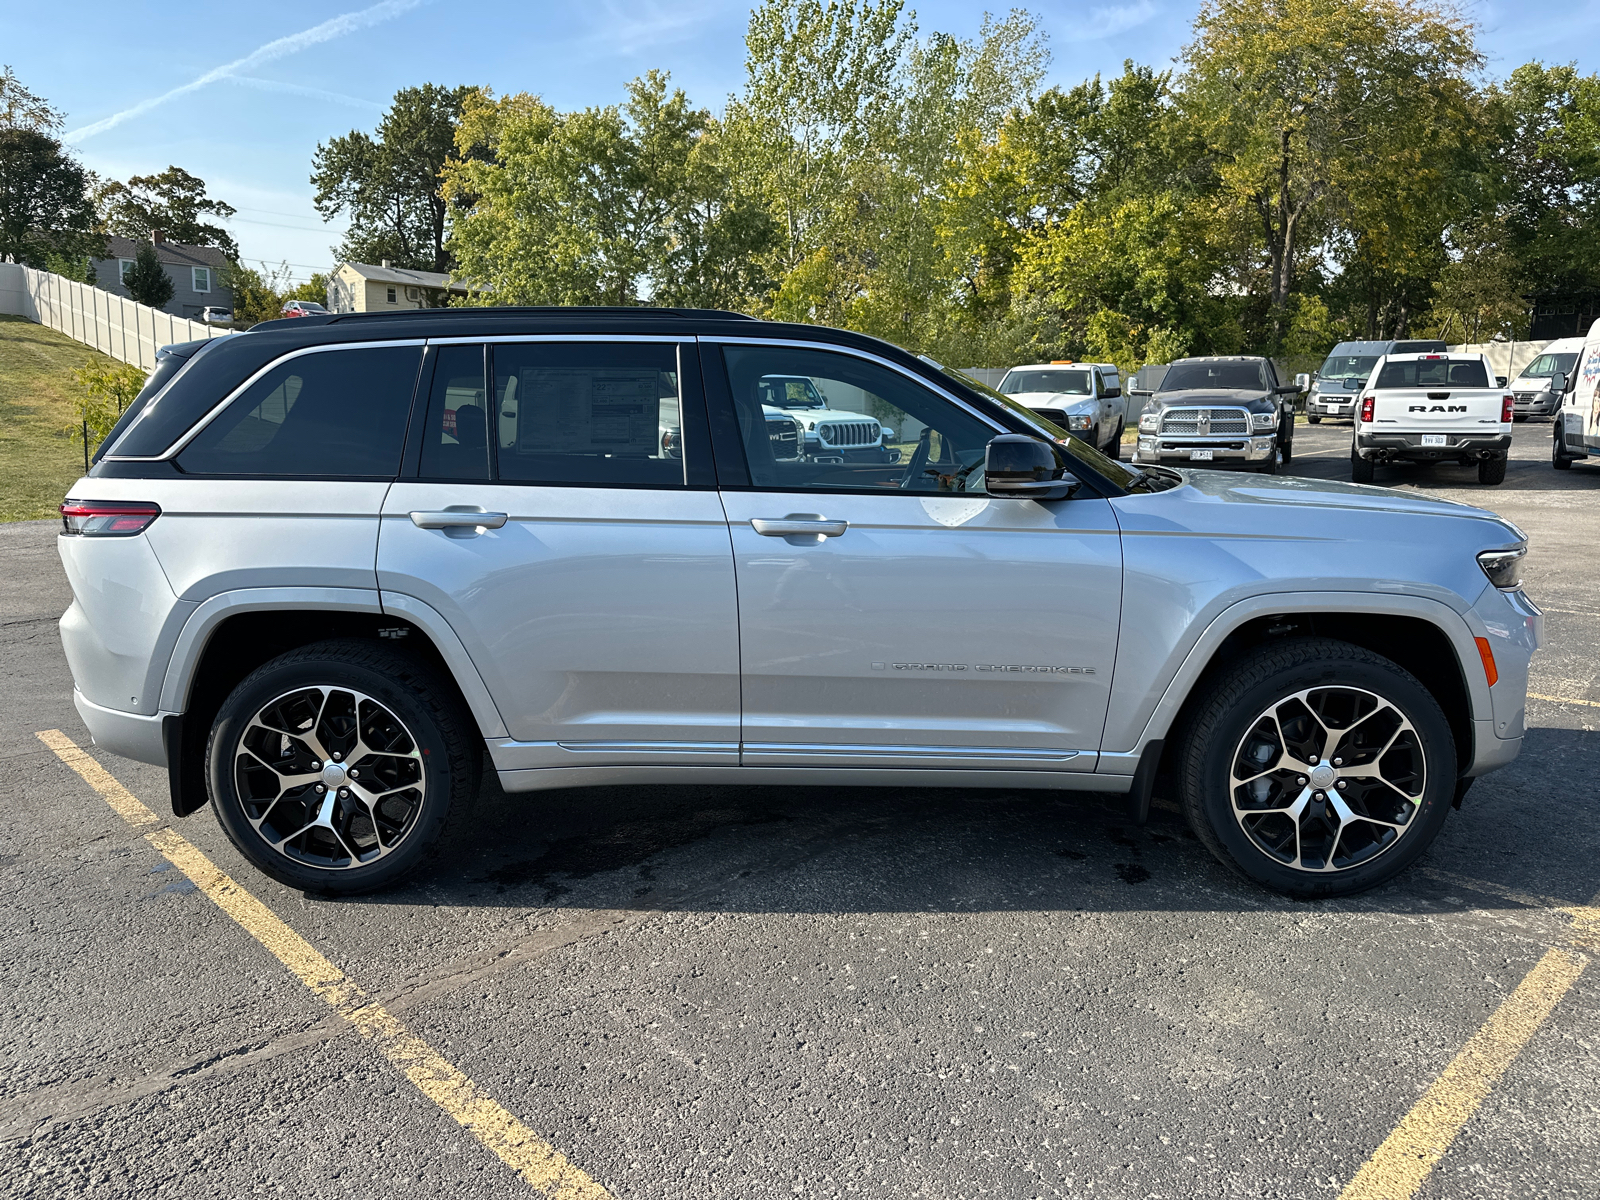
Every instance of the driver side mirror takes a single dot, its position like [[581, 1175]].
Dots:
[[1499, 381], [1302, 382], [1026, 468]]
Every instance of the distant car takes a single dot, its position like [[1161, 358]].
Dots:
[[216, 316], [1085, 399], [303, 308]]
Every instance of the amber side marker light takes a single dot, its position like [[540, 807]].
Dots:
[[1486, 652], [107, 518]]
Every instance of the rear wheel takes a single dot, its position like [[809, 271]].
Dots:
[[1317, 768], [1361, 469], [1559, 458], [1491, 470], [334, 768]]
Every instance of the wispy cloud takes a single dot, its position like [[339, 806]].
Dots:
[[335, 27], [300, 89], [1114, 19]]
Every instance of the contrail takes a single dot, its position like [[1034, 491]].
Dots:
[[295, 42]]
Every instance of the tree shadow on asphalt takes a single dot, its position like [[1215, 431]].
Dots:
[[1531, 827]]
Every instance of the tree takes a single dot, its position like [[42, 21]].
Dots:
[[147, 280], [171, 204], [390, 185], [45, 209], [259, 295], [604, 206], [1314, 109]]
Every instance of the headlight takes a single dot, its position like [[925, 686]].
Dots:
[[1075, 422], [1504, 567], [1150, 423], [1263, 421]]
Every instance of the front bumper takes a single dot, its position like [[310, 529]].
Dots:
[[1215, 451], [1409, 446], [1330, 406], [1536, 404]]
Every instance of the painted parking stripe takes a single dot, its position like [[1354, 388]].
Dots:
[[541, 1165], [1399, 1167], [1563, 700]]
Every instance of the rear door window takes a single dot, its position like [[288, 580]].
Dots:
[[455, 440], [339, 412], [599, 413]]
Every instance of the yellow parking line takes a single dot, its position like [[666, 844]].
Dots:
[[1563, 700], [541, 1165], [127, 805], [1400, 1165]]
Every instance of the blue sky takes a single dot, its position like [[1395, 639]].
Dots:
[[241, 94]]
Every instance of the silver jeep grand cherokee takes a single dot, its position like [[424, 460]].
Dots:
[[325, 570]]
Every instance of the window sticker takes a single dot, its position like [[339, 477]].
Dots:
[[591, 411]]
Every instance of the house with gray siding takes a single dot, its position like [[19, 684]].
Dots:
[[196, 273]]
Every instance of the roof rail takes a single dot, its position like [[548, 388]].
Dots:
[[541, 310]]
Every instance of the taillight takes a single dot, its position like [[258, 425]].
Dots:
[[107, 518], [1366, 408], [1506, 403]]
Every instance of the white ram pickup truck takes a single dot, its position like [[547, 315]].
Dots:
[[1426, 408]]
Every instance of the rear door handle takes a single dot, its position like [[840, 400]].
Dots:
[[458, 518], [798, 525]]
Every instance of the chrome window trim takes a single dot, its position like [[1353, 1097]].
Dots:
[[832, 348], [152, 402], [195, 430]]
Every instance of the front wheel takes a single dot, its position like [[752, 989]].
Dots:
[[1559, 458], [1314, 420], [1287, 434], [333, 768], [1361, 469], [1491, 470], [1317, 768], [1114, 447]]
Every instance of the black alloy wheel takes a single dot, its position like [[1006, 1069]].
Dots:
[[335, 767], [1317, 768]]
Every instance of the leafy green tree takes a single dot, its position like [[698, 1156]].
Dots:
[[45, 209], [604, 206], [147, 280], [172, 204], [1313, 109], [390, 185], [104, 391]]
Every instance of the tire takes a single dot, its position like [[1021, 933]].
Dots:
[[1559, 458], [1114, 447], [1361, 469], [1314, 420], [1288, 442], [1491, 470], [1332, 700], [339, 699]]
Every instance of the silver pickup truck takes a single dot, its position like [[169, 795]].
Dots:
[[318, 583]]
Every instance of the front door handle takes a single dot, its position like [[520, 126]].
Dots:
[[798, 525], [458, 518]]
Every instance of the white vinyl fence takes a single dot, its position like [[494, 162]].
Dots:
[[111, 324]]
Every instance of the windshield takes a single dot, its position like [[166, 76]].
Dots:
[[1346, 372], [1434, 372], [1194, 376], [1109, 468], [789, 391], [1073, 383], [1547, 365]]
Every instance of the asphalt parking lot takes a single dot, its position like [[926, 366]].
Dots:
[[720, 992]]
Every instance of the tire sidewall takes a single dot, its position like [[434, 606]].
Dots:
[[1438, 747], [274, 680]]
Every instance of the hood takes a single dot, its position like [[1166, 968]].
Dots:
[[1061, 401], [1232, 488], [1205, 396]]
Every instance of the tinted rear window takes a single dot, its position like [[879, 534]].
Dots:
[[1434, 372], [336, 412]]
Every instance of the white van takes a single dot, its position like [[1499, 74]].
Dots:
[[1535, 395], [1577, 432]]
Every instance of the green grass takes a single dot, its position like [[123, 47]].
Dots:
[[37, 395]]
